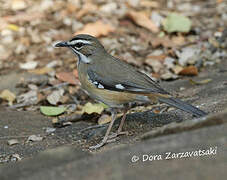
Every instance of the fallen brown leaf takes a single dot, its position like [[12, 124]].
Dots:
[[177, 69], [71, 8], [149, 4], [205, 81], [162, 41], [178, 40], [35, 138], [104, 119], [219, 1], [88, 8], [23, 17], [8, 96], [141, 19], [97, 29], [189, 71], [67, 77], [90, 108], [55, 96], [75, 73], [12, 142], [155, 64], [44, 70], [160, 58], [18, 5]]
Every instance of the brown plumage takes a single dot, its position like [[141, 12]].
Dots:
[[114, 82]]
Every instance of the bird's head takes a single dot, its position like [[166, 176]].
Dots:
[[83, 46]]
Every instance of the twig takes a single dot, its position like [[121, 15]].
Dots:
[[55, 86], [93, 127], [11, 137], [72, 118], [20, 105]]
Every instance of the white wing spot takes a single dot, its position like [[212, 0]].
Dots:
[[119, 86], [95, 82], [100, 86]]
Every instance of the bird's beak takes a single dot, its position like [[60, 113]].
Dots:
[[61, 44]]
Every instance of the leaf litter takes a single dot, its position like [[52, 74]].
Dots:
[[166, 41]]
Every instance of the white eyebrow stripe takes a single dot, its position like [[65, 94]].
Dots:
[[79, 41]]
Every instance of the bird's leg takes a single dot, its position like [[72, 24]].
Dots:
[[119, 130], [104, 140]]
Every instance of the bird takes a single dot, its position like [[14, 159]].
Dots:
[[116, 83]]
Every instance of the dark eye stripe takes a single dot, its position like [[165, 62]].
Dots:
[[79, 45]]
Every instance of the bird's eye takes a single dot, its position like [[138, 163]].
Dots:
[[79, 45]]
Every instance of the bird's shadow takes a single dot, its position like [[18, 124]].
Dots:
[[138, 122]]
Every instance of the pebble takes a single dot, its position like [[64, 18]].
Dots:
[[12, 142], [35, 138]]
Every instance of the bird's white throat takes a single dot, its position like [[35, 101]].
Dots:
[[81, 57]]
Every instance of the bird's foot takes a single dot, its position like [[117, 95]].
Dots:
[[102, 143], [111, 138], [118, 133]]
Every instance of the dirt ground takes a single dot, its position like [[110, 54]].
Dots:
[[153, 134]]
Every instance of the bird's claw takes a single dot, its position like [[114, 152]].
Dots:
[[111, 138]]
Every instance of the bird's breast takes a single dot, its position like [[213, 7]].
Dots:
[[111, 98]]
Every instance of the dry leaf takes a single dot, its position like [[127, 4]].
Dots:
[[34, 79], [35, 138], [87, 8], [97, 29], [29, 65], [104, 119], [141, 19], [219, 1], [28, 97], [155, 75], [178, 40], [162, 41], [168, 76], [149, 4], [12, 142], [155, 64], [160, 57], [71, 7], [67, 77], [44, 70], [90, 108], [177, 69], [23, 17], [75, 73], [205, 81], [13, 27], [18, 5], [189, 71], [55, 96], [8, 95]]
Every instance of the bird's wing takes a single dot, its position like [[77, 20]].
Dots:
[[123, 77]]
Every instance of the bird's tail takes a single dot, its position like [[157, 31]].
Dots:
[[183, 106]]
